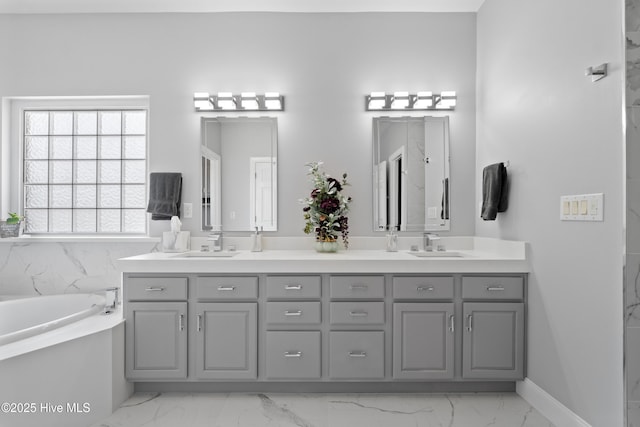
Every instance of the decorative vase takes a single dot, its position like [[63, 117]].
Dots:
[[10, 230], [326, 246]]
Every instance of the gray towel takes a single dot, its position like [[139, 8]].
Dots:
[[165, 194], [494, 191], [444, 212]]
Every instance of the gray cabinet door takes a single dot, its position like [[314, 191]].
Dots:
[[226, 340], [156, 340], [423, 337], [493, 343]]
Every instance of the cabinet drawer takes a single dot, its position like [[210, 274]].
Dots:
[[293, 287], [299, 313], [357, 313], [156, 288], [356, 355], [293, 355], [356, 287], [423, 287], [227, 287], [493, 288]]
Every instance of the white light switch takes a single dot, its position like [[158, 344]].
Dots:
[[582, 207], [187, 210], [574, 207]]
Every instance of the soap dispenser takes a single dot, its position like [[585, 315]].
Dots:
[[392, 241], [256, 241]]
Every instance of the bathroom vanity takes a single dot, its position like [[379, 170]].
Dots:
[[298, 320]]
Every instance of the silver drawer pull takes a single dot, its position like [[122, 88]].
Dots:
[[495, 288], [226, 288], [452, 323], [357, 354], [359, 287], [358, 313], [181, 322], [292, 354], [154, 289], [199, 322], [424, 288], [293, 313], [470, 322], [293, 287]]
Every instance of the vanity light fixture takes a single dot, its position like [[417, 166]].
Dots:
[[447, 101], [273, 101], [226, 101], [404, 101], [202, 102], [246, 101], [400, 100], [376, 101], [249, 101], [423, 100]]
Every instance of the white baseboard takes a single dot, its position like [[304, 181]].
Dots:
[[548, 406]]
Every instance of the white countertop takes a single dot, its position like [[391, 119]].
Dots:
[[478, 255]]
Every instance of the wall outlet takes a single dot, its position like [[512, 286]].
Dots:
[[582, 207], [187, 210]]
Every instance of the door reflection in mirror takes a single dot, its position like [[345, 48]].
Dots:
[[411, 173], [239, 173]]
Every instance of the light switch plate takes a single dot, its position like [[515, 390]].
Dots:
[[188, 210], [582, 207]]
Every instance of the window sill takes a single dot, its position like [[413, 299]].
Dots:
[[80, 239]]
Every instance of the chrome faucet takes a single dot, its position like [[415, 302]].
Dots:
[[216, 238], [429, 239]]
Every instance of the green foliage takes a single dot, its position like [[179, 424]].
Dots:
[[14, 218]]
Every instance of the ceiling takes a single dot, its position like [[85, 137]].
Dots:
[[194, 6]]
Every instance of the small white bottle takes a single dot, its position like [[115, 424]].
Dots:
[[392, 241], [256, 241]]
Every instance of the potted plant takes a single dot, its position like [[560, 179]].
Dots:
[[11, 227], [325, 210]]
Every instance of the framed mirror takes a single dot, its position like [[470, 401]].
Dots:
[[239, 173], [411, 182]]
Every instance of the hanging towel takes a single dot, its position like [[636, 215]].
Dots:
[[444, 212], [165, 194], [494, 191]]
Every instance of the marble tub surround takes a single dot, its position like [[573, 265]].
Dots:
[[330, 410], [45, 266], [365, 255]]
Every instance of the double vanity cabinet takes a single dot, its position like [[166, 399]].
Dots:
[[320, 329]]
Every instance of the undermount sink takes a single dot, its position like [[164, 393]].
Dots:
[[436, 254], [206, 254]]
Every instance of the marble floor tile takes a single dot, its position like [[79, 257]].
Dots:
[[325, 410]]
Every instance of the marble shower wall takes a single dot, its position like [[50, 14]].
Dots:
[[57, 268], [632, 272]]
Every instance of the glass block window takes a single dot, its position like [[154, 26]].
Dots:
[[85, 171]]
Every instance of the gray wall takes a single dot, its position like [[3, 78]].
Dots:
[[562, 135], [324, 64]]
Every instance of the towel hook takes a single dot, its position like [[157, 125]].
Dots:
[[597, 72]]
